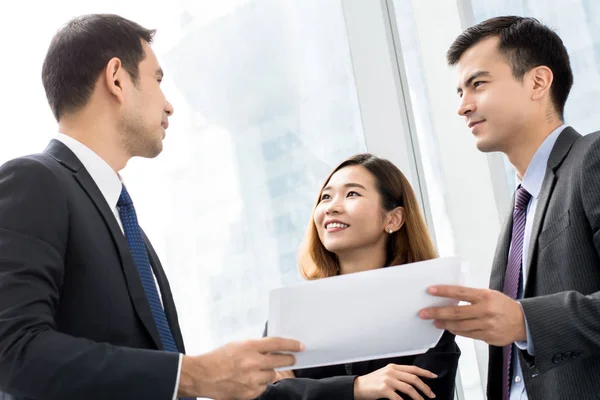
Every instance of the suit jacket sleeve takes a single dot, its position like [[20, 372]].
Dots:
[[568, 323], [442, 360], [36, 360], [337, 387]]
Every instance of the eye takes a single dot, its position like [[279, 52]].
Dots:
[[478, 83], [352, 194], [325, 197]]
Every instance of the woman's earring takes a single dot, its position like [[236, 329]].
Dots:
[[390, 231]]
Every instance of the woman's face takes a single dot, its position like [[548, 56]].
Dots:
[[349, 215]]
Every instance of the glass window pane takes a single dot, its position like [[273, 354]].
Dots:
[[437, 193], [265, 105]]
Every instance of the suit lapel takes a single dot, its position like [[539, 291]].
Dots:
[[538, 219], [66, 157], [501, 256], [561, 149]]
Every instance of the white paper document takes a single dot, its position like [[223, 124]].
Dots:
[[363, 316]]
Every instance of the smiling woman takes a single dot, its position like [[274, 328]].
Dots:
[[367, 217], [363, 201]]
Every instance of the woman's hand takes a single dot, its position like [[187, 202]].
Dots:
[[279, 375], [384, 383]]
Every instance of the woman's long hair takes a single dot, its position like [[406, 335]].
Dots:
[[411, 243]]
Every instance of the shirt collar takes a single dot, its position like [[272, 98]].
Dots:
[[534, 176], [107, 180]]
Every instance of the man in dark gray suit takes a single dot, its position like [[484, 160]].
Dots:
[[541, 315]]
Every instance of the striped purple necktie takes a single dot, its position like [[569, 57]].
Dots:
[[513, 274]]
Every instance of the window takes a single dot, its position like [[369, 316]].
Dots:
[[265, 106], [264, 109], [269, 96]]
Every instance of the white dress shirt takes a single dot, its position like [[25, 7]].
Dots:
[[532, 182], [110, 185]]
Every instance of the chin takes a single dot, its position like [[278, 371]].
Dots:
[[486, 146], [336, 247], [155, 148], [331, 247], [151, 151], [156, 151]]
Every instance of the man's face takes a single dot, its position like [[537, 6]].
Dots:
[[496, 105], [145, 116]]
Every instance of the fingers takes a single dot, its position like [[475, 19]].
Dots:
[[471, 295], [453, 313], [414, 382], [482, 335], [273, 361], [462, 327], [391, 395], [277, 344], [407, 389], [411, 369], [284, 374]]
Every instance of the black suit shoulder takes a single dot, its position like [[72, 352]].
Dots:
[[57, 338], [32, 200]]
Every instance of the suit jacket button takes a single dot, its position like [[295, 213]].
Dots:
[[567, 355], [557, 359]]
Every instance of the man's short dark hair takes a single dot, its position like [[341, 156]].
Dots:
[[526, 43], [80, 51]]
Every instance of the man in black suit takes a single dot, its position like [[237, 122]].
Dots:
[[86, 311], [541, 315]]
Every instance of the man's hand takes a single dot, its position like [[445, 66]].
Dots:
[[239, 370], [492, 316]]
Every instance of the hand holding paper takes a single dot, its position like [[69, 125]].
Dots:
[[491, 316], [363, 316]]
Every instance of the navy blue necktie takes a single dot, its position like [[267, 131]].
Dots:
[[133, 233]]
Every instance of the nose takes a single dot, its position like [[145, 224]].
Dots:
[[334, 207], [169, 109], [466, 106]]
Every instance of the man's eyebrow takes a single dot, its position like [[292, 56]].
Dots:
[[474, 76]]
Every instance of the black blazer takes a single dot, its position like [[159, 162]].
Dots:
[[74, 319], [562, 291], [333, 382]]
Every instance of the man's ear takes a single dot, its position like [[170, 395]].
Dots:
[[541, 79], [113, 79]]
